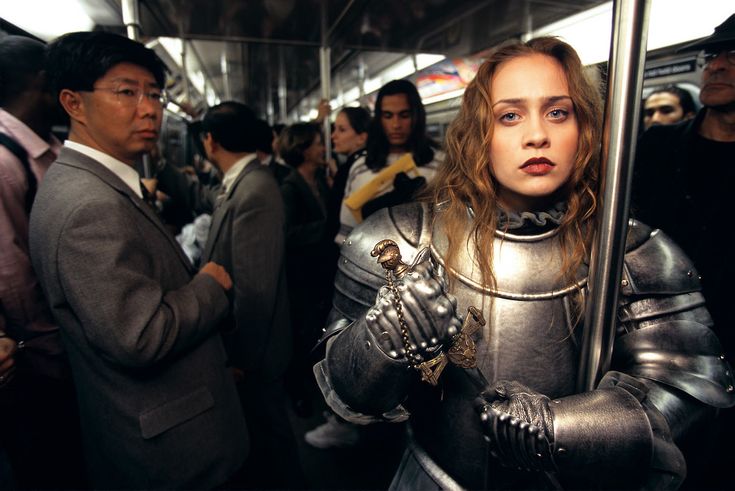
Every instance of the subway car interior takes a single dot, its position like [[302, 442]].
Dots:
[[274, 54], [284, 57]]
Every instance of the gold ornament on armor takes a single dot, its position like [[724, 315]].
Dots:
[[462, 350]]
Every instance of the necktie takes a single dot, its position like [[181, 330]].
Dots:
[[148, 198], [220, 197]]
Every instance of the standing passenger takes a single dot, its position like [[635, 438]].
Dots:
[[668, 105], [158, 406], [247, 238], [684, 174], [278, 167], [40, 423], [400, 157], [348, 138], [308, 253], [504, 242]]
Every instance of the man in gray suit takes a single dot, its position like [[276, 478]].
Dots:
[[247, 238], [158, 407]]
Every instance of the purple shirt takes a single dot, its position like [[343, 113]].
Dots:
[[22, 304]]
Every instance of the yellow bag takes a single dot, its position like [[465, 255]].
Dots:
[[380, 182]]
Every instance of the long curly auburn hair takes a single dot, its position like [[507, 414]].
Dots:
[[466, 179]]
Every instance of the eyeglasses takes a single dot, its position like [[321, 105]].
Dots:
[[132, 96], [705, 58]]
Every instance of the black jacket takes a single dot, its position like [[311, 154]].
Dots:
[[682, 184]]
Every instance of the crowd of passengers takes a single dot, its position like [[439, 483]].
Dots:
[[160, 321]]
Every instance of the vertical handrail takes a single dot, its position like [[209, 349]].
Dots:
[[282, 87], [131, 18], [620, 128], [325, 75]]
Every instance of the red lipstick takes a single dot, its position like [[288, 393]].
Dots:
[[538, 166]]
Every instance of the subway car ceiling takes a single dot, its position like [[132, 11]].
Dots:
[[266, 53]]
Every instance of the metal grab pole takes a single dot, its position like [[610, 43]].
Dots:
[[325, 69], [324, 53], [282, 89], [625, 79], [131, 18]]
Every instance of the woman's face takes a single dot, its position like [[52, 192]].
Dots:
[[535, 137], [314, 153], [344, 137]]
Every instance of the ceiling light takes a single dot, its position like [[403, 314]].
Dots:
[[47, 19]]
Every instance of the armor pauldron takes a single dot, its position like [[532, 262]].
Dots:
[[658, 266], [682, 354], [411, 221], [589, 432], [359, 277], [650, 308]]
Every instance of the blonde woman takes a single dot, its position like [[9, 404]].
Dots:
[[499, 255]]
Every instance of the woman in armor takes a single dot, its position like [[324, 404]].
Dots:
[[478, 341]]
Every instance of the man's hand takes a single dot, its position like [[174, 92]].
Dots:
[[323, 110], [8, 348], [218, 273]]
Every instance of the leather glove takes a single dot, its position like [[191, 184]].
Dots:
[[518, 424], [429, 312]]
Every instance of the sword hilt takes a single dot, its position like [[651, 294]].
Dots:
[[389, 257]]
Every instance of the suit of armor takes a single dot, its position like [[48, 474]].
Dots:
[[667, 373]]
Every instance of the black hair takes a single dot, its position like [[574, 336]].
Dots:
[[419, 143], [295, 139], [195, 134], [75, 61], [359, 118], [21, 59], [231, 125], [686, 101], [263, 134], [278, 128]]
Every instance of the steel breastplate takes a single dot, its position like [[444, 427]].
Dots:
[[528, 335]]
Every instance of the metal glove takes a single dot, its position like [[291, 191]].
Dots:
[[428, 310], [518, 424]]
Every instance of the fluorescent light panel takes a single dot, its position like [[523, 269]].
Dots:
[[46, 19], [670, 22]]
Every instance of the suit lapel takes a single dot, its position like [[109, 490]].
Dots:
[[76, 159], [219, 214]]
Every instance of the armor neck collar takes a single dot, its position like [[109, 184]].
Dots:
[[531, 222], [528, 223]]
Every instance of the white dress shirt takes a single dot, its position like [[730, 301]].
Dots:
[[235, 171], [122, 170]]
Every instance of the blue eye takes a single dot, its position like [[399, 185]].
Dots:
[[509, 117], [559, 114]]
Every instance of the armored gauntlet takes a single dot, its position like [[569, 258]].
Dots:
[[602, 434], [421, 321], [519, 426]]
